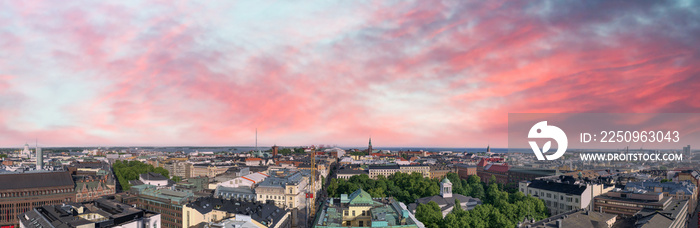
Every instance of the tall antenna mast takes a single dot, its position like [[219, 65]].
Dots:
[[256, 139]]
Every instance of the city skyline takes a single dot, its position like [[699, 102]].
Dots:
[[411, 74]]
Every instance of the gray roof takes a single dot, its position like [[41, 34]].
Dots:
[[282, 182], [656, 218], [256, 210], [153, 176], [577, 218], [35, 180], [685, 187], [65, 215], [554, 186]]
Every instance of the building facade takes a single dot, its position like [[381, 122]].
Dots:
[[180, 169], [560, 197], [487, 170], [386, 170], [30, 190], [89, 188], [683, 190], [207, 170], [166, 202], [464, 170], [626, 203], [285, 192], [440, 171]]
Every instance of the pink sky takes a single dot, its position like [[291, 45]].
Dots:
[[424, 73]]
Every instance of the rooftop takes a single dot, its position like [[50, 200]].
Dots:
[[274, 181], [578, 218], [153, 176], [35, 180], [575, 189], [385, 212], [101, 212], [179, 197], [257, 211], [684, 187]]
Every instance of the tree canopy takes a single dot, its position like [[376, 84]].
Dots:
[[499, 209], [130, 170]]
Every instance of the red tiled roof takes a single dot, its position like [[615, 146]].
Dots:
[[499, 168]]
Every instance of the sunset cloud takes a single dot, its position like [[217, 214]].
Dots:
[[438, 73]]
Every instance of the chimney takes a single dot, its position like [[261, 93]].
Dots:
[[558, 223]]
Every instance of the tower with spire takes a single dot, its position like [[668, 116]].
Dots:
[[369, 148]]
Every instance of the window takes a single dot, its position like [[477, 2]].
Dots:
[[353, 213], [346, 213], [361, 225]]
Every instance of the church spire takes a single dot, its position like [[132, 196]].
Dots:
[[369, 148]]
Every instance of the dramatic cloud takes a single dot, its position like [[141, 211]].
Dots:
[[423, 73]]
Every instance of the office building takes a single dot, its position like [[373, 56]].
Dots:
[[164, 201], [683, 190], [626, 203], [178, 168]]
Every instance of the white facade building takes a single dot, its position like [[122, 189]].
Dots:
[[560, 197]]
